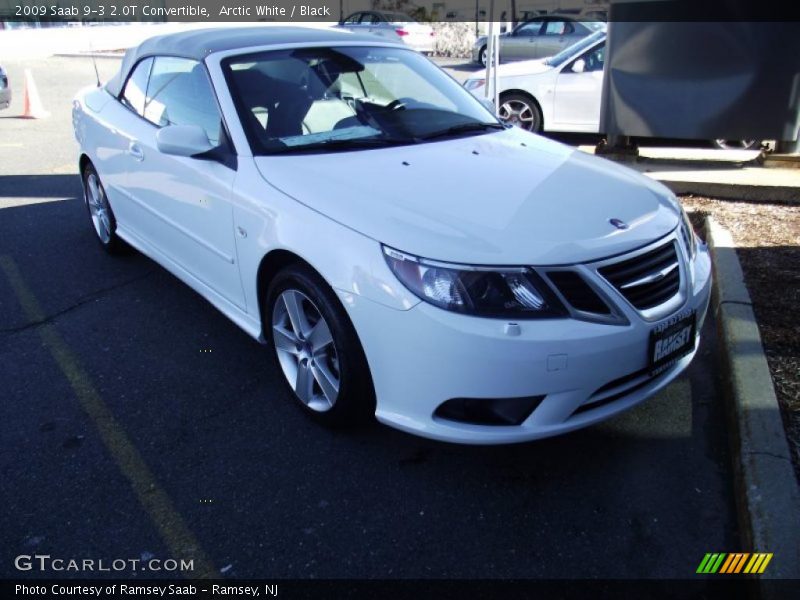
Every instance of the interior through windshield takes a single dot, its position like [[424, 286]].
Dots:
[[296, 99]]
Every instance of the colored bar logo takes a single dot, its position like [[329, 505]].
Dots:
[[736, 562]]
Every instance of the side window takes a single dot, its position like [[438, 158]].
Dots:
[[529, 29], [596, 58], [352, 19], [133, 95], [370, 19], [558, 28], [179, 93]]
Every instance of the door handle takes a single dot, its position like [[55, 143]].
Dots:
[[135, 151]]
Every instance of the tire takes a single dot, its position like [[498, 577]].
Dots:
[[482, 58], [521, 111], [736, 144], [330, 381], [104, 223]]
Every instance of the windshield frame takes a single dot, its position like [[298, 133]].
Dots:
[[222, 65]]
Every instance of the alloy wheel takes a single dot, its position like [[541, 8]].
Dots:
[[518, 113], [98, 208], [306, 350]]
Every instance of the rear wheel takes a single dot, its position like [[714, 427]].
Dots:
[[317, 348], [521, 111], [483, 56], [103, 220]]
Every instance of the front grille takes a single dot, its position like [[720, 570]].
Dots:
[[577, 292], [647, 280]]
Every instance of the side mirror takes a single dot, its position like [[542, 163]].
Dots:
[[182, 140], [579, 66]]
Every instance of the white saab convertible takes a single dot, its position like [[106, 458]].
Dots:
[[405, 254]]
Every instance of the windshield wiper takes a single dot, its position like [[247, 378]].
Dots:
[[462, 128], [341, 144]]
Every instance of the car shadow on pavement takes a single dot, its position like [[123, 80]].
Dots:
[[40, 186]]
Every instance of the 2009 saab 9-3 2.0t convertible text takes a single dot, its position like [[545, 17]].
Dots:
[[405, 254]]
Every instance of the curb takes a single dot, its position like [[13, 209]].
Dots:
[[734, 191], [765, 485]]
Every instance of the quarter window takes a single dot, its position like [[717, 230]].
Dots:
[[133, 95], [180, 93]]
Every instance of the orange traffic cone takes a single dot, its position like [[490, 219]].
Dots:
[[31, 103]]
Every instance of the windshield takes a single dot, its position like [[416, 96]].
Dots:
[[569, 52], [348, 98]]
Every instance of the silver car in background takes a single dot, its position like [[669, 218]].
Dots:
[[538, 38], [5, 89]]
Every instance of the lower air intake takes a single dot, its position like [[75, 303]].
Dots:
[[488, 411]]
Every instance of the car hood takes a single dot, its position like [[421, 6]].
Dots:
[[503, 198], [523, 67]]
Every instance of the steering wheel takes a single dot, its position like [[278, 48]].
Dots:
[[400, 103]]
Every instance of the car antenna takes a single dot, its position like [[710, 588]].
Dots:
[[94, 61]]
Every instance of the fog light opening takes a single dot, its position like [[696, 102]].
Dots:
[[488, 411]]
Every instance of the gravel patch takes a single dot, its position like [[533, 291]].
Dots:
[[767, 238]]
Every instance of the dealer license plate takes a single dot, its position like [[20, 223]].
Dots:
[[671, 340]]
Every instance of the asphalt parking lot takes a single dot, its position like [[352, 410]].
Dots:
[[138, 421]]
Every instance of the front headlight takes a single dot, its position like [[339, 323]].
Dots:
[[471, 84], [484, 291], [688, 235]]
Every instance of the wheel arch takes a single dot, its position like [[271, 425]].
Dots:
[[84, 160]]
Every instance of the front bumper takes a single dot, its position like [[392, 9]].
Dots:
[[586, 371], [424, 44]]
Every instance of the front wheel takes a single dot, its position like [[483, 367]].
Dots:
[[521, 111], [482, 56], [103, 220], [317, 348]]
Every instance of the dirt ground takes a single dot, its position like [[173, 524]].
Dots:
[[767, 237]]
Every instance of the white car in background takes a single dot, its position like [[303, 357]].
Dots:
[[394, 27], [403, 253], [561, 93]]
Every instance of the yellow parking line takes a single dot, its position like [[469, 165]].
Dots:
[[155, 501]]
